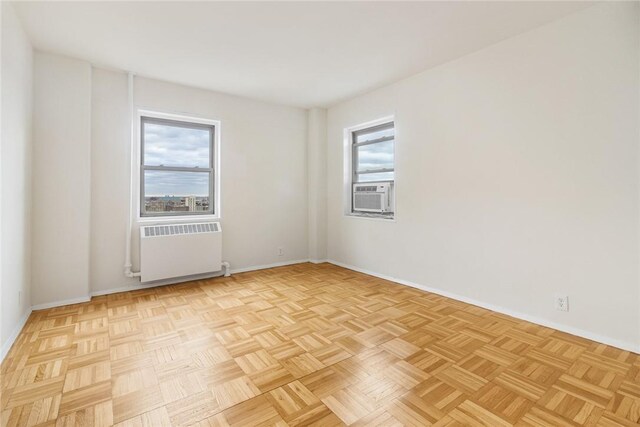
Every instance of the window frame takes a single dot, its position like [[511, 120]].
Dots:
[[350, 167], [354, 151], [189, 122]]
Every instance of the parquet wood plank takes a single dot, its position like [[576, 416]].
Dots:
[[306, 345]]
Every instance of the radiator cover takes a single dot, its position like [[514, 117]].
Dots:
[[177, 250]]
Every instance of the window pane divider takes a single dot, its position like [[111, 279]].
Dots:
[[374, 141], [177, 169], [373, 182], [374, 171], [173, 213]]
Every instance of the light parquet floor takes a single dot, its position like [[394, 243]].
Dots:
[[306, 345]]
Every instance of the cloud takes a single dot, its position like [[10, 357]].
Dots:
[[175, 146], [375, 156], [162, 183], [166, 145]]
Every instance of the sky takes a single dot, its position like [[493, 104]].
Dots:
[[176, 146], [161, 183], [375, 156]]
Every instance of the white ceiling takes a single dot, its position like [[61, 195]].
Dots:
[[302, 54]]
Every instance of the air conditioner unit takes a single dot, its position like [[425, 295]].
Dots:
[[178, 250], [372, 197]]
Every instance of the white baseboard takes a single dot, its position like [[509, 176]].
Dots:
[[624, 345], [265, 266], [6, 346], [70, 301], [127, 288], [318, 261], [137, 287]]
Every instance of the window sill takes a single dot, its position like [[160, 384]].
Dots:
[[185, 218], [371, 216]]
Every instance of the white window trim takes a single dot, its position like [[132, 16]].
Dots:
[[144, 112], [348, 170]]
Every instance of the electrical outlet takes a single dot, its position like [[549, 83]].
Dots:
[[280, 252], [562, 303]]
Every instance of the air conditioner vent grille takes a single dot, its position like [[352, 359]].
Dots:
[[178, 229], [368, 201], [362, 188]]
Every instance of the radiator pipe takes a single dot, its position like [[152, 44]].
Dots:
[[127, 264], [227, 268]]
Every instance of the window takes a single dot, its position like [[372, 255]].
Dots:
[[177, 159], [372, 162], [373, 153]]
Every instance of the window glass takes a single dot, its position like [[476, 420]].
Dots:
[[375, 177], [374, 156], [177, 146], [171, 191]]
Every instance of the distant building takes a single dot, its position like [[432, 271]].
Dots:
[[190, 202], [172, 203], [154, 204]]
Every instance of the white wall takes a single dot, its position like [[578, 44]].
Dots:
[[517, 176], [110, 169], [317, 182], [61, 179], [15, 167], [82, 164], [263, 174]]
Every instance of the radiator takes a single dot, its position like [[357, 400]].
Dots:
[[178, 250]]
